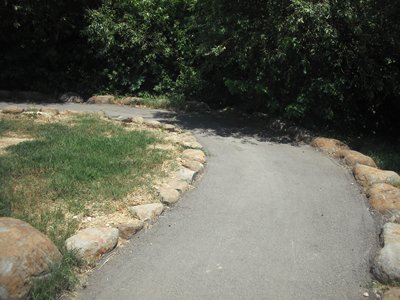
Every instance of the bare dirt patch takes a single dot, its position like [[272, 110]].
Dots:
[[9, 141]]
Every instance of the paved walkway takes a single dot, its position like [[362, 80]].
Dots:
[[267, 221]]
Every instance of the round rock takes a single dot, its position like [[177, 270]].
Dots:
[[168, 195], [194, 154], [147, 212], [331, 147], [25, 254], [352, 158], [127, 230]]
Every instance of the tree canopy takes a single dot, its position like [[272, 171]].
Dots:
[[325, 62]]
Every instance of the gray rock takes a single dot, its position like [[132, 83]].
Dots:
[[193, 165], [25, 255], [147, 213], [91, 243], [127, 230], [177, 184], [185, 174], [192, 144], [168, 195], [71, 98], [386, 266]]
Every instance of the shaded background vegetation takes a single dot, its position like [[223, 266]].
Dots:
[[328, 62]]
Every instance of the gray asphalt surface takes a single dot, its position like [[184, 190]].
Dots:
[[268, 220]]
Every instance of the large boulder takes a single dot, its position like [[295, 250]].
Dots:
[[386, 266], [383, 196], [91, 243], [352, 158], [367, 176], [331, 147], [25, 254], [101, 99]]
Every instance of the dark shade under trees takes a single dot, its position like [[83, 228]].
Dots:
[[329, 62]]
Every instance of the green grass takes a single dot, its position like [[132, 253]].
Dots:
[[385, 151], [68, 167]]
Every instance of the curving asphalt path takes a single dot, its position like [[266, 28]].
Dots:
[[268, 220]]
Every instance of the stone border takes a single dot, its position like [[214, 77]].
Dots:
[[382, 190], [92, 243]]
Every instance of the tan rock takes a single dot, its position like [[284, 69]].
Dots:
[[152, 123], [194, 154], [352, 158], [13, 110], [138, 120], [131, 100], [169, 127], [101, 99], [329, 146], [393, 293], [383, 196], [193, 165], [367, 176], [91, 243], [127, 230], [168, 195], [25, 254], [147, 213]]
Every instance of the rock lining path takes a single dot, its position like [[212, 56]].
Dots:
[[267, 221]]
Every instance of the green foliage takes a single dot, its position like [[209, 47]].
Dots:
[[42, 48], [141, 44], [326, 62], [332, 62]]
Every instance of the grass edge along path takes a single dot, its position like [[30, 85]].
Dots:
[[68, 165]]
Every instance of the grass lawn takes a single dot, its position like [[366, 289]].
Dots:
[[67, 168]]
